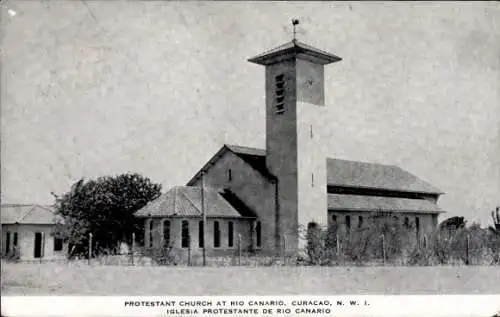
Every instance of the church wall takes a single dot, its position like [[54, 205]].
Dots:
[[242, 232], [428, 222], [257, 192], [312, 194]]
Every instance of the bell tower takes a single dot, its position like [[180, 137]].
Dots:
[[295, 105]]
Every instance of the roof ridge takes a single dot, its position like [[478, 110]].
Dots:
[[191, 201], [234, 148], [362, 162], [27, 213]]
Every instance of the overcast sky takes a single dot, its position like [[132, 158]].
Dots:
[[105, 87]]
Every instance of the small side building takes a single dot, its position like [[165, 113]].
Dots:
[[174, 223], [28, 233]]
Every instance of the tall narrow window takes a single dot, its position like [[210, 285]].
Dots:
[[258, 234], [14, 241], [229, 175], [38, 247], [185, 234], [58, 244], [360, 221], [311, 131], [417, 226], [216, 234], [151, 233], [280, 93], [348, 223], [7, 243], [312, 179], [334, 219], [230, 234], [166, 233], [201, 234]]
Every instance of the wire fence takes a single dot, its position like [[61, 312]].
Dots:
[[330, 247]]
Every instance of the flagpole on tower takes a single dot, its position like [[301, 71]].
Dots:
[[294, 23]]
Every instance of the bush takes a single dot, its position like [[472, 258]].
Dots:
[[386, 240]]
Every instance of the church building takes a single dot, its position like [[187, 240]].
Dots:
[[261, 199]]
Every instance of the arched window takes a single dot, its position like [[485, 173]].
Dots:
[[334, 220], [258, 234], [360, 221], [7, 245], [417, 226], [151, 233], [185, 234], [201, 234], [166, 233], [216, 234], [230, 234], [348, 223]]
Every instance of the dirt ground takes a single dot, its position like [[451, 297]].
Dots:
[[70, 279]]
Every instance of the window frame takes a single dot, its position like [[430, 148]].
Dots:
[[217, 234], [56, 245], [167, 241], [348, 223], [151, 229], [185, 234], [258, 234], [230, 234]]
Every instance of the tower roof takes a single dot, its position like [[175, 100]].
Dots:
[[293, 49]]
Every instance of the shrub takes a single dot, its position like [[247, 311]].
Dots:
[[385, 239]]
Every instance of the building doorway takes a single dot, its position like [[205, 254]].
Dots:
[[38, 245]]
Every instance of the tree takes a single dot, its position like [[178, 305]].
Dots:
[[453, 224], [496, 221], [104, 207]]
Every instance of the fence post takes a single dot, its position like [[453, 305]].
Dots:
[[337, 244], [383, 248], [133, 247], [189, 253], [467, 250], [284, 249], [239, 249], [90, 247]]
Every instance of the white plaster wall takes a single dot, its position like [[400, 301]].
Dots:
[[312, 193], [250, 187], [26, 240]]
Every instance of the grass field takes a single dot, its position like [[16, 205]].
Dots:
[[70, 279]]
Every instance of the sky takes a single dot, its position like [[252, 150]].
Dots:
[[94, 88]]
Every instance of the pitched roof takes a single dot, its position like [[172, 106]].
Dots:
[[27, 214], [370, 175], [340, 172], [294, 48], [256, 158], [343, 202], [185, 201]]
